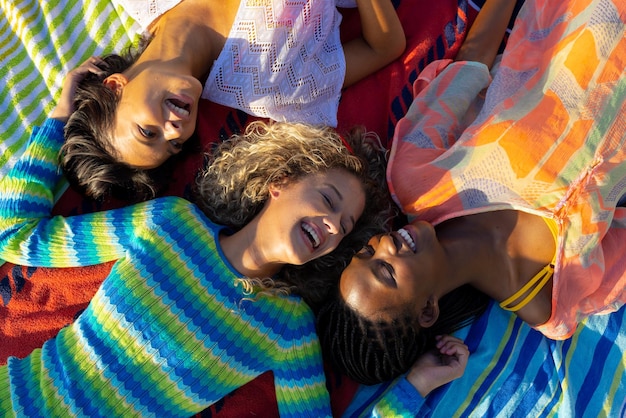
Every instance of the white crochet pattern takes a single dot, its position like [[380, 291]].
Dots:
[[283, 60], [145, 12]]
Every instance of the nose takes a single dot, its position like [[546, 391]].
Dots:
[[173, 129], [387, 243], [333, 223]]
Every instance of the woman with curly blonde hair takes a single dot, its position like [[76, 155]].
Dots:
[[244, 170], [171, 330]]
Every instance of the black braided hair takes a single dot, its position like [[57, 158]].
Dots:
[[371, 352]]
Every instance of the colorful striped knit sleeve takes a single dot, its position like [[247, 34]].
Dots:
[[397, 398], [298, 373], [30, 236]]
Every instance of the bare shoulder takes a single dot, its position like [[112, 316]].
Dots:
[[216, 15]]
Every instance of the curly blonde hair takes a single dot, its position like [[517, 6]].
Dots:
[[235, 185]]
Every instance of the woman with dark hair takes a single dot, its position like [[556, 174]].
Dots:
[[282, 60], [523, 205]]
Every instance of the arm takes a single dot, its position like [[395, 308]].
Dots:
[[439, 367], [28, 234], [299, 376], [65, 106], [485, 36], [405, 395], [446, 101], [382, 40]]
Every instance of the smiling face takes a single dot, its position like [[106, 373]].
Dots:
[[307, 218], [393, 271], [156, 114]]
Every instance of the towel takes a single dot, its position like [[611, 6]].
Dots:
[[513, 370]]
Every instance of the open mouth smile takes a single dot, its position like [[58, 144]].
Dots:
[[312, 235], [179, 108], [408, 239]]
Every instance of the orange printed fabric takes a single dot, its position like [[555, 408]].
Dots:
[[36, 302], [549, 139]]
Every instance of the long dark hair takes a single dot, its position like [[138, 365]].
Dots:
[[87, 157]]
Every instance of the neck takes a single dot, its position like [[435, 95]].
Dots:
[[244, 252], [476, 250], [191, 35]]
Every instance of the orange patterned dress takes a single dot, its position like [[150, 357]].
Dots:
[[547, 137]]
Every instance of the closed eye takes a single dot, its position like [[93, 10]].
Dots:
[[386, 274], [176, 145], [329, 201], [331, 205]]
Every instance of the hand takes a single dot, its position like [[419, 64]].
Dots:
[[439, 366], [65, 106]]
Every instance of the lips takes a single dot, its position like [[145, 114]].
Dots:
[[311, 234], [179, 106]]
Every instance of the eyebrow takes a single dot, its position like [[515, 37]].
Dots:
[[340, 196]]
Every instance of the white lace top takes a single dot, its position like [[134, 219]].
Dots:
[[282, 60]]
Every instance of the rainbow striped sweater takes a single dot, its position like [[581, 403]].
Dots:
[[169, 332]]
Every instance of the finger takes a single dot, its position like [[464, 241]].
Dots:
[[447, 339], [94, 59], [453, 348], [458, 352], [86, 67]]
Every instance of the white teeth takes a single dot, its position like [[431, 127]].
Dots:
[[309, 230], [176, 109], [407, 237]]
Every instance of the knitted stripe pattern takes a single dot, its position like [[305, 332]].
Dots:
[[169, 332]]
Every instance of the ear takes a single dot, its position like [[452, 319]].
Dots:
[[116, 82], [274, 190], [429, 313]]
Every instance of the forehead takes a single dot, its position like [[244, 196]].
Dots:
[[357, 287], [333, 175], [347, 185]]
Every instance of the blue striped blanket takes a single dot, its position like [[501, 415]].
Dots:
[[513, 371]]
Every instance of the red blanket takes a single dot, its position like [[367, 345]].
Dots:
[[36, 302]]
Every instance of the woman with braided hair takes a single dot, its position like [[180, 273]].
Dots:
[[524, 204]]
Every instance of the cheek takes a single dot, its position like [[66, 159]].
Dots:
[[348, 291], [355, 207], [360, 207], [333, 243], [411, 281]]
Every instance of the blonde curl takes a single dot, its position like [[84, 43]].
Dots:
[[234, 186]]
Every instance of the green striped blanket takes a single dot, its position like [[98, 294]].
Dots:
[[40, 41]]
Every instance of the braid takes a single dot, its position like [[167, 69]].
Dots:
[[368, 351], [371, 352]]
